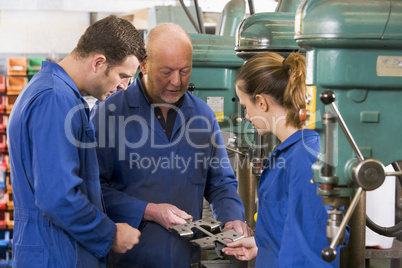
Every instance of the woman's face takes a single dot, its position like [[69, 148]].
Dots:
[[254, 112]]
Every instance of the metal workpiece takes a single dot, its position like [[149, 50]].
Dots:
[[186, 229], [210, 240]]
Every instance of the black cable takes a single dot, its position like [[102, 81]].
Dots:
[[387, 231], [251, 6]]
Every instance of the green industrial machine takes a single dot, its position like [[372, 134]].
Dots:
[[354, 71], [268, 31], [353, 49], [216, 60], [354, 81]]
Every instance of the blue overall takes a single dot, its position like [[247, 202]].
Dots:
[[291, 224], [59, 219], [138, 164]]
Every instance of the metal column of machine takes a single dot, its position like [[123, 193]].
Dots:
[[354, 62]]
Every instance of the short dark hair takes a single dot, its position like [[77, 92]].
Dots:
[[115, 38]]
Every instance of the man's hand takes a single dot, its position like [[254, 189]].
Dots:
[[239, 227], [243, 249], [166, 215], [126, 238]]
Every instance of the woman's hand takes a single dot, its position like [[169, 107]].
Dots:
[[243, 249]]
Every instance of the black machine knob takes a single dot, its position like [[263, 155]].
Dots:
[[328, 254], [327, 97], [191, 87]]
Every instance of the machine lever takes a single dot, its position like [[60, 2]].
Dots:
[[237, 151], [394, 173], [329, 253], [328, 97]]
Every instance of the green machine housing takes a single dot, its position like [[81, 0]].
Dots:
[[354, 48], [217, 58], [214, 70], [354, 64], [354, 60]]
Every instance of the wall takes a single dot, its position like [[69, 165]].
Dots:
[[41, 32], [47, 27]]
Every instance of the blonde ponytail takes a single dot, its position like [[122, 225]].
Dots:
[[294, 96], [281, 79]]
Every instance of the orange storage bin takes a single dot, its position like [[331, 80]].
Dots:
[[2, 83], [17, 66], [10, 100], [15, 84]]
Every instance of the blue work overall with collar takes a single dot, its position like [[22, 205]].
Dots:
[[140, 164], [59, 219]]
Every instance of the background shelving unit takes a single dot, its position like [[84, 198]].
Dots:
[[14, 76]]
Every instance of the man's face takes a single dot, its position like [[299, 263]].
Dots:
[[167, 73], [108, 81]]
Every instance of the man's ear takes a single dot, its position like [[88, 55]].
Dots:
[[261, 102], [98, 61], [143, 67]]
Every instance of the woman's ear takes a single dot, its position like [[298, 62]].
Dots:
[[261, 102]]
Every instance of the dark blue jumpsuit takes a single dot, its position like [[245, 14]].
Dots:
[[139, 164], [58, 214]]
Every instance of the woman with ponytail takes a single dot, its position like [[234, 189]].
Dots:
[[291, 222]]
